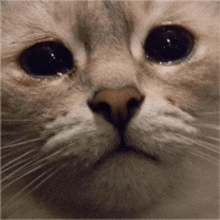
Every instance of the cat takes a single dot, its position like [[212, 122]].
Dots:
[[110, 109]]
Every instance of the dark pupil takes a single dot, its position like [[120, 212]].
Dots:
[[46, 59], [168, 44]]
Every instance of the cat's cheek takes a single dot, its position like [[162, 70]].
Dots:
[[59, 95], [190, 85]]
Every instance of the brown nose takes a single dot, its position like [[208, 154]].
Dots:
[[117, 106]]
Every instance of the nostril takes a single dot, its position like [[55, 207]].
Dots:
[[133, 104], [101, 108]]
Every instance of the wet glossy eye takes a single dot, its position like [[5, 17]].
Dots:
[[169, 44], [46, 59]]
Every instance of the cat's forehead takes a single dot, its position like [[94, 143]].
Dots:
[[43, 13], [28, 21]]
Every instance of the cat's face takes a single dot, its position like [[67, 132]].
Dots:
[[110, 109]]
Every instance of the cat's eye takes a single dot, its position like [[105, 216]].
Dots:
[[46, 59], [169, 44]]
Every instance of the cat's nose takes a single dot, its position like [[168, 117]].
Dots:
[[117, 106]]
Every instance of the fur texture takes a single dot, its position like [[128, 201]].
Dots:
[[61, 160]]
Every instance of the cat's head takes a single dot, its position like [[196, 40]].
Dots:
[[109, 100]]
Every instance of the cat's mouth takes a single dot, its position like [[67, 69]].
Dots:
[[124, 147], [127, 151]]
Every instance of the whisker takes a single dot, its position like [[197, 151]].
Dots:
[[32, 130], [202, 144], [32, 162], [209, 113], [36, 162], [21, 138], [203, 156], [18, 158], [20, 177], [21, 143], [212, 138], [14, 120], [209, 126], [48, 177], [15, 151], [28, 185], [18, 163]]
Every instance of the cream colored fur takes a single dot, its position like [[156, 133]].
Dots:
[[50, 120]]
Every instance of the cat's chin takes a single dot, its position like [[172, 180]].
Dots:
[[125, 181]]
